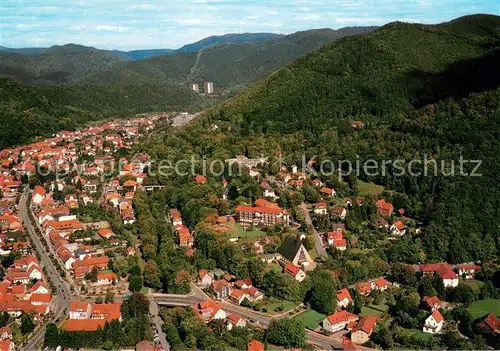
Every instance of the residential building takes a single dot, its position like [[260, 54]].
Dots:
[[255, 345], [384, 209], [434, 323], [267, 215], [363, 330], [295, 272], [467, 270], [338, 321], [343, 298], [432, 302], [79, 310]]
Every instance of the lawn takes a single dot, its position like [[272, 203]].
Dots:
[[274, 304], [240, 232], [419, 334], [483, 307], [369, 189], [310, 318], [374, 310]]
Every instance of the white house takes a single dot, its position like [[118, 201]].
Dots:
[[235, 320], [35, 272], [205, 278], [434, 323], [338, 321], [320, 208], [398, 228], [79, 310], [343, 298], [468, 270]]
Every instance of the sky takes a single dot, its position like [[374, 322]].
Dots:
[[135, 24]]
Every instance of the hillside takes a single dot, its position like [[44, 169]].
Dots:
[[27, 111], [426, 93], [228, 38], [229, 64], [375, 76], [57, 64]]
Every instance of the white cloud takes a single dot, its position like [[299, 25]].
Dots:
[[307, 17], [110, 28]]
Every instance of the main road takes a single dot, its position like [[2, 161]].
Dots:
[[323, 341], [61, 301]]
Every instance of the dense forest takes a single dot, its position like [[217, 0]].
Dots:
[[212, 59], [422, 91], [27, 111]]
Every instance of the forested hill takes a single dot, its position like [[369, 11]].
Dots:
[[27, 111], [371, 77], [423, 91], [228, 64]]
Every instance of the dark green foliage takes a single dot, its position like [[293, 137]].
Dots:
[[27, 323], [31, 111], [286, 332]]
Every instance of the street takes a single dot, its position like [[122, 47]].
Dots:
[[317, 240], [323, 341], [61, 301]]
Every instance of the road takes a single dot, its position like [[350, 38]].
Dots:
[[323, 341], [61, 301], [318, 243], [153, 310]]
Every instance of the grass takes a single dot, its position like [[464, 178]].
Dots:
[[481, 308], [474, 284], [369, 189], [240, 232], [374, 310], [420, 334], [274, 304], [310, 318]]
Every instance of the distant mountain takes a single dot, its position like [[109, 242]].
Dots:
[[23, 51], [57, 64], [227, 64], [28, 111], [228, 38], [398, 67], [142, 54]]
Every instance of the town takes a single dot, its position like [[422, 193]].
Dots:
[[78, 231]]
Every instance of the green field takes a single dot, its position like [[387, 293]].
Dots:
[[418, 334], [273, 305], [374, 310], [483, 307], [310, 318], [240, 232], [369, 189]]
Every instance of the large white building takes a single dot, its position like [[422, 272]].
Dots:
[[209, 88]]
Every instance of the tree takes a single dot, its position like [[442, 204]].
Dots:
[[92, 275], [27, 324], [256, 270], [134, 306], [322, 294], [109, 296], [152, 275], [51, 336], [289, 333], [135, 283], [461, 293]]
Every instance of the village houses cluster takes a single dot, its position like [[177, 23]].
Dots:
[[81, 158]]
